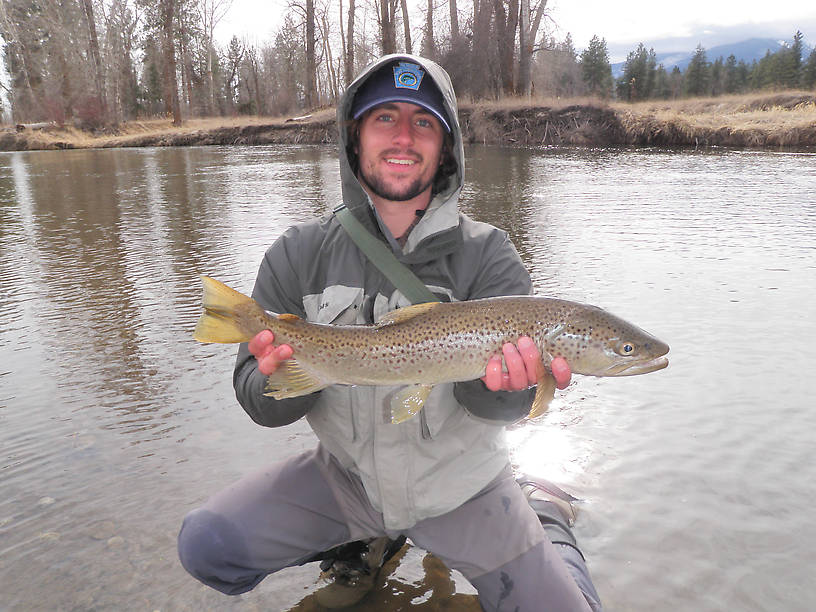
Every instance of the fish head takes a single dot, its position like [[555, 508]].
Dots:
[[597, 343]]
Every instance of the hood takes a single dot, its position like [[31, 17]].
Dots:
[[437, 233]]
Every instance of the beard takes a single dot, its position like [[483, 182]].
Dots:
[[394, 192]]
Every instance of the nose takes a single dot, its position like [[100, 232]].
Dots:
[[404, 131]]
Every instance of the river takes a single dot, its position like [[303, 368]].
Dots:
[[697, 481]]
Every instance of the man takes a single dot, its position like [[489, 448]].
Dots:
[[442, 478]]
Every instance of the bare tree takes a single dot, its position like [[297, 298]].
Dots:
[[99, 75], [171, 99], [481, 53], [211, 13], [349, 57], [21, 62], [333, 88], [506, 23], [528, 31], [252, 62], [185, 36], [121, 21], [406, 26], [454, 21], [388, 27], [428, 43], [311, 63]]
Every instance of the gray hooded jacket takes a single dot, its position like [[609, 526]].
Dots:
[[436, 461]]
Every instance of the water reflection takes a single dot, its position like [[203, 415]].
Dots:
[[115, 423]]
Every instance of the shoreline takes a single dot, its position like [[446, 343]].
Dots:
[[758, 121]]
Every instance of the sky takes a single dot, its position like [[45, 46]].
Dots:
[[678, 25]]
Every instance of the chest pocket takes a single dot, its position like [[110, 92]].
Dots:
[[337, 305], [441, 412]]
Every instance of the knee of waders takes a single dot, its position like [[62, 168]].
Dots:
[[208, 546]]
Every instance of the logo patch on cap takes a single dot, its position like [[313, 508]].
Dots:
[[408, 76]]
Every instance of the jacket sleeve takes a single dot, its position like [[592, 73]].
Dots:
[[501, 272], [277, 289]]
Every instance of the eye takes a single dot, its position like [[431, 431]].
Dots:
[[625, 348], [423, 122]]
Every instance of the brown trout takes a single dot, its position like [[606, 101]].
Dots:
[[432, 343]]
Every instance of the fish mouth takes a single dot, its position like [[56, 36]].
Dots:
[[638, 367]]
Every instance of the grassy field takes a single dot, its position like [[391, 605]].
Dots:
[[780, 119]]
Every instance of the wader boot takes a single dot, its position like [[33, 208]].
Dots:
[[352, 569]]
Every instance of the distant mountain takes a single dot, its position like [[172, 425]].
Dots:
[[746, 50]]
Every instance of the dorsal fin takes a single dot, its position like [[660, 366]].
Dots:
[[405, 314], [288, 317]]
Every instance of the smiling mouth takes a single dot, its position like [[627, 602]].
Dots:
[[401, 162]]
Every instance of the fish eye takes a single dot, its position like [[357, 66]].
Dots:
[[625, 349]]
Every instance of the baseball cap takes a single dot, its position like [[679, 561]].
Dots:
[[400, 81]]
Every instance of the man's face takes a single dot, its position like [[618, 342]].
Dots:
[[400, 146]]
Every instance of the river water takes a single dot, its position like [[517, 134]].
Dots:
[[698, 481]]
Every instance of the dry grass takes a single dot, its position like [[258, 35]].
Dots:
[[781, 119], [777, 111], [517, 103], [158, 127], [753, 120]]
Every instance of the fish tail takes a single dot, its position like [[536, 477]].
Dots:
[[225, 314]]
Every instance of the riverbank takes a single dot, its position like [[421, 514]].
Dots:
[[770, 120]]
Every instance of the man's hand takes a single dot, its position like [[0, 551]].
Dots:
[[522, 362], [268, 354]]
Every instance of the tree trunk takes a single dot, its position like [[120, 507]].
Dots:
[[482, 17], [387, 26], [171, 99], [428, 46], [406, 26], [311, 67], [349, 59], [210, 13], [454, 21], [186, 67], [329, 58], [99, 77], [506, 23], [310, 82], [527, 35], [525, 49]]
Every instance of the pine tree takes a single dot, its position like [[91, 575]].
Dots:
[[765, 73], [676, 83], [638, 77], [662, 86], [717, 77], [794, 62], [595, 68], [731, 75], [809, 71], [697, 75]]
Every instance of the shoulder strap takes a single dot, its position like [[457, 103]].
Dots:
[[382, 257]]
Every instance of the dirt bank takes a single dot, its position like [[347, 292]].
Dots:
[[760, 121]]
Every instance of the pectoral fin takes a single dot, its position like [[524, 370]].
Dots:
[[406, 402], [545, 391], [291, 380]]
